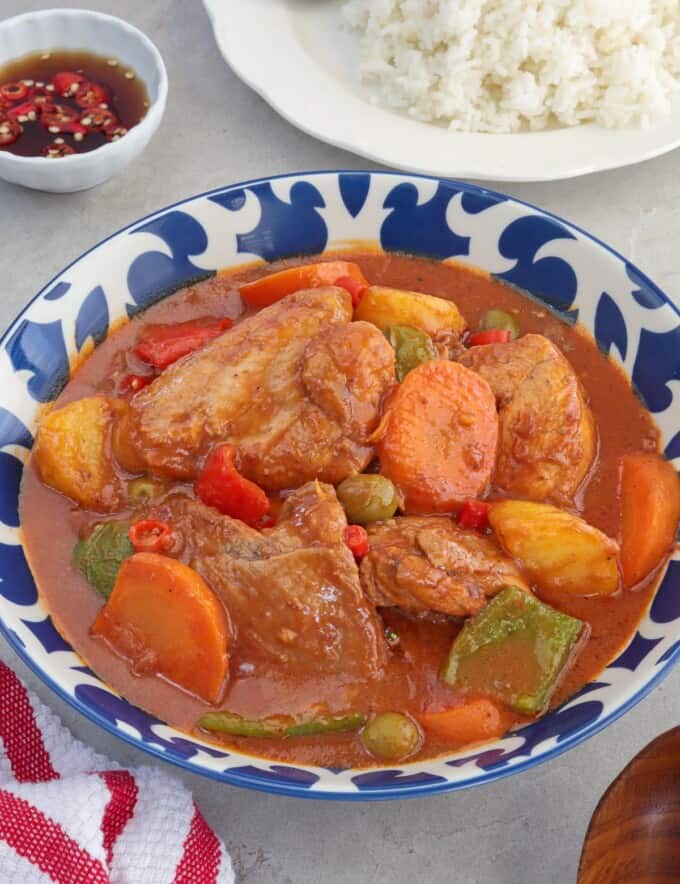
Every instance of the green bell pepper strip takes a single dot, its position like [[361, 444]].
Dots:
[[280, 726]]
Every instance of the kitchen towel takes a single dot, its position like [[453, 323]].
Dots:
[[70, 816]]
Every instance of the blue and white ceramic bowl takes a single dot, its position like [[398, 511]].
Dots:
[[570, 271]]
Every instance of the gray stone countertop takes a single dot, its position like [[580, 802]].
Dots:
[[525, 829]]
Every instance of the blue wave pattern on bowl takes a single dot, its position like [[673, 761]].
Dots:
[[558, 264]]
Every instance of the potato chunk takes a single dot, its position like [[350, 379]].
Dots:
[[547, 432], [385, 306], [72, 452], [558, 550]]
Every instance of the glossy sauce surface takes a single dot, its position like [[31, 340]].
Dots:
[[51, 526], [129, 98]]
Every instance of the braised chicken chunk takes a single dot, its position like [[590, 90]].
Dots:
[[296, 388], [293, 591], [547, 434], [428, 563]]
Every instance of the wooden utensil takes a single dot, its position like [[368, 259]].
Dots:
[[634, 833]]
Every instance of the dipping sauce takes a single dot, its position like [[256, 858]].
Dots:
[[58, 103]]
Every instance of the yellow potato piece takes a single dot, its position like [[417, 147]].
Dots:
[[557, 550], [385, 306], [72, 452]]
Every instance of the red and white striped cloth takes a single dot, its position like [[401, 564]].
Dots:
[[70, 816]]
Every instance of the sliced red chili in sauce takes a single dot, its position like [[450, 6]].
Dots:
[[98, 119], [14, 91], [356, 538], [67, 83], [115, 132], [151, 535], [55, 151], [59, 116], [22, 113], [10, 130], [43, 99], [89, 94]]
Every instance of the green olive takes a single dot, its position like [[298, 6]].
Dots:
[[367, 497], [143, 489], [412, 347], [501, 320], [391, 736]]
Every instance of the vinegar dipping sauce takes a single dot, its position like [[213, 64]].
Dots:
[[61, 102]]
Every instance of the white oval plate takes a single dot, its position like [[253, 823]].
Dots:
[[299, 56]]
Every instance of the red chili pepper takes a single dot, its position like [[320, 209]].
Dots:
[[10, 130], [43, 99], [490, 336], [5, 104], [133, 383], [113, 133], [89, 94], [67, 83], [354, 287], [98, 120], [55, 151], [14, 91], [60, 118], [151, 535], [356, 539], [474, 514], [25, 112], [221, 485], [161, 345]]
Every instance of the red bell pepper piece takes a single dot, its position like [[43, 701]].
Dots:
[[354, 287], [474, 514], [161, 345], [222, 486], [356, 539], [490, 336]]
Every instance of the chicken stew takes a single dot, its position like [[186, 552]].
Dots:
[[348, 511]]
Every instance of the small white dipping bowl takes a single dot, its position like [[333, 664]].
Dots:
[[81, 29]]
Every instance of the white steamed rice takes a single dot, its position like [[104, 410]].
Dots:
[[509, 65]]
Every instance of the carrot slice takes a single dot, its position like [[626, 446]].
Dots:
[[165, 620], [269, 289], [650, 508], [473, 722], [439, 446]]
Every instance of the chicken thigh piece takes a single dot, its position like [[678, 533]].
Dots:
[[547, 437], [292, 592], [428, 563], [297, 388]]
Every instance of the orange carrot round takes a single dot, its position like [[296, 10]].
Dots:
[[165, 620], [439, 447], [473, 722], [269, 289], [650, 508]]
